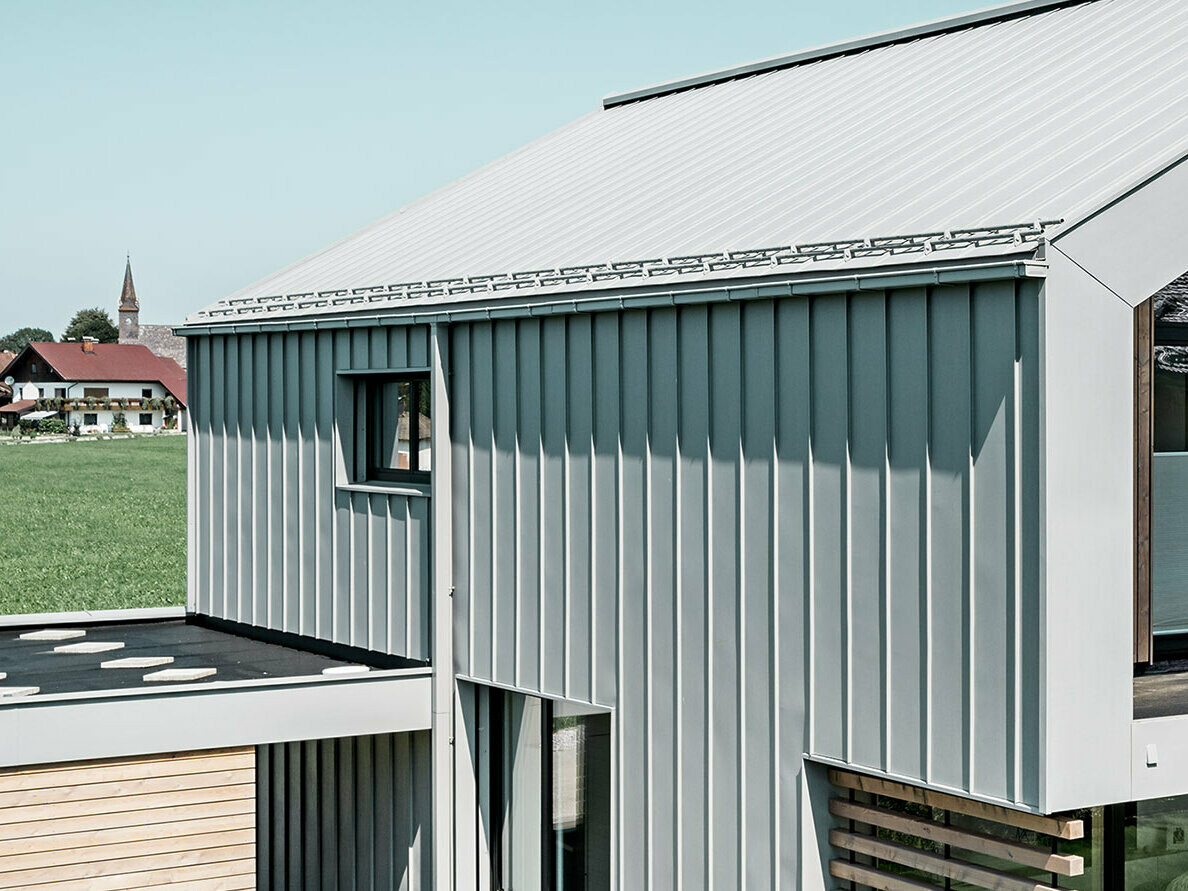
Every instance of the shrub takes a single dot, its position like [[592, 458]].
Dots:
[[52, 426], [119, 424]]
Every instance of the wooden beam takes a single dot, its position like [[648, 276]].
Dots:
[[914, 858], [966, 840], [873, 878], [1060, 827]]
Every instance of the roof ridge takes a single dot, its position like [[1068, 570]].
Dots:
[[979, 17]]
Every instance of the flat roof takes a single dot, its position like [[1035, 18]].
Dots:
[[58, 703], [61, 659]]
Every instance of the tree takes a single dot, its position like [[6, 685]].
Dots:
[[22, 337], [93, 322]]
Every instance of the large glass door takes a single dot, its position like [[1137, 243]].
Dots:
[[550, 769], [1169, 469]]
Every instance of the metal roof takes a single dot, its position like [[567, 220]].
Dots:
[[1047, 115]]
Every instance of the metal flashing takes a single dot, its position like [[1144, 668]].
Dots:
[[930, 28], [1011, 235], [557, 302]]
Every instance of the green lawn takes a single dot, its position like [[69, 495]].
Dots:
[[93, 525]]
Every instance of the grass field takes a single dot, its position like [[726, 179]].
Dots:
[[93, 525]]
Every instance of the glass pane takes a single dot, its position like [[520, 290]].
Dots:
[[1169, 472], [523, 779], [1156, 845], [581, 828], [389, 408], [1092, 848], [425, 427]]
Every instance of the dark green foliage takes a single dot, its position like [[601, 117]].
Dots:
[[22, 337], [93, 525], [93, 322]]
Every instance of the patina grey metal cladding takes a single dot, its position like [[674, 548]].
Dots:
[[278, 544], [750, 527], [353, 812]]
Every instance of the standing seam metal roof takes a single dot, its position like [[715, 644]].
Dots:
[[1039, 117]]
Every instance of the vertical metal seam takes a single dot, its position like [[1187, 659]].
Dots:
[[678, 597], [847, 480], [970, 754], [810, 613], [518, 521], [710, 592], [885, 519], [929, 401], [1017, 546], [740, 591]]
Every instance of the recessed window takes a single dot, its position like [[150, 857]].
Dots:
[[146, 393], [398, 428], [59, 392], [146, 419], [90, 419], [95, 392]]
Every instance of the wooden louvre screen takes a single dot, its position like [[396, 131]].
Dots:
[[182, 821], [896, 837]]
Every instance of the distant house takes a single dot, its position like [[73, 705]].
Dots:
[[5, 390], [90, 384]]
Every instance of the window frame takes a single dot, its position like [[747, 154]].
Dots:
[[143, 415], [351, 420]]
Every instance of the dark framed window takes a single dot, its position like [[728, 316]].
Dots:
[[146, 393], [90, 419], [59, 392], [549, 776], [146, 419], [397, 427]]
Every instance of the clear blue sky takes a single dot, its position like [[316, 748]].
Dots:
[[218, 141]]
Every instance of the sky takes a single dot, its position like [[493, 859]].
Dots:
[[220, 141]]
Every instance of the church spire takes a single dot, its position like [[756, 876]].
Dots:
[[128, 295]]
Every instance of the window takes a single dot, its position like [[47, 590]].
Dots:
[[146, 393], [146, 419], [550, 780], [94, 392], [41, 392], [397, 428], [90, 419], [59, 392]]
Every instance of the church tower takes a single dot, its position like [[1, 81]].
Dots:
[[129, 307]]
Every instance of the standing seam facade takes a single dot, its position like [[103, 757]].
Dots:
[[279, 545], [730, 522], [734, 524]]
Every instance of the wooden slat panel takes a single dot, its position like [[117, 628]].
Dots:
[[131, 803], [143, 848], [230, 883], [1060, 827], [125, 788], [186, 820], [978, 876], [160, 757], [36, 843], [97, 822], [158, 878], [872, 878], [104, 773], [123, 866], [966, 840]]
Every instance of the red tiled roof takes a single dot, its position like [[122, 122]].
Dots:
[[19, 407], [6, 359], [122, 362]]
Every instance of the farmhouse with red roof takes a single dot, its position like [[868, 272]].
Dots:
[[91, 385]]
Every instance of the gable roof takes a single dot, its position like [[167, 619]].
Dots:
[[115, 362], [1045, 114]]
